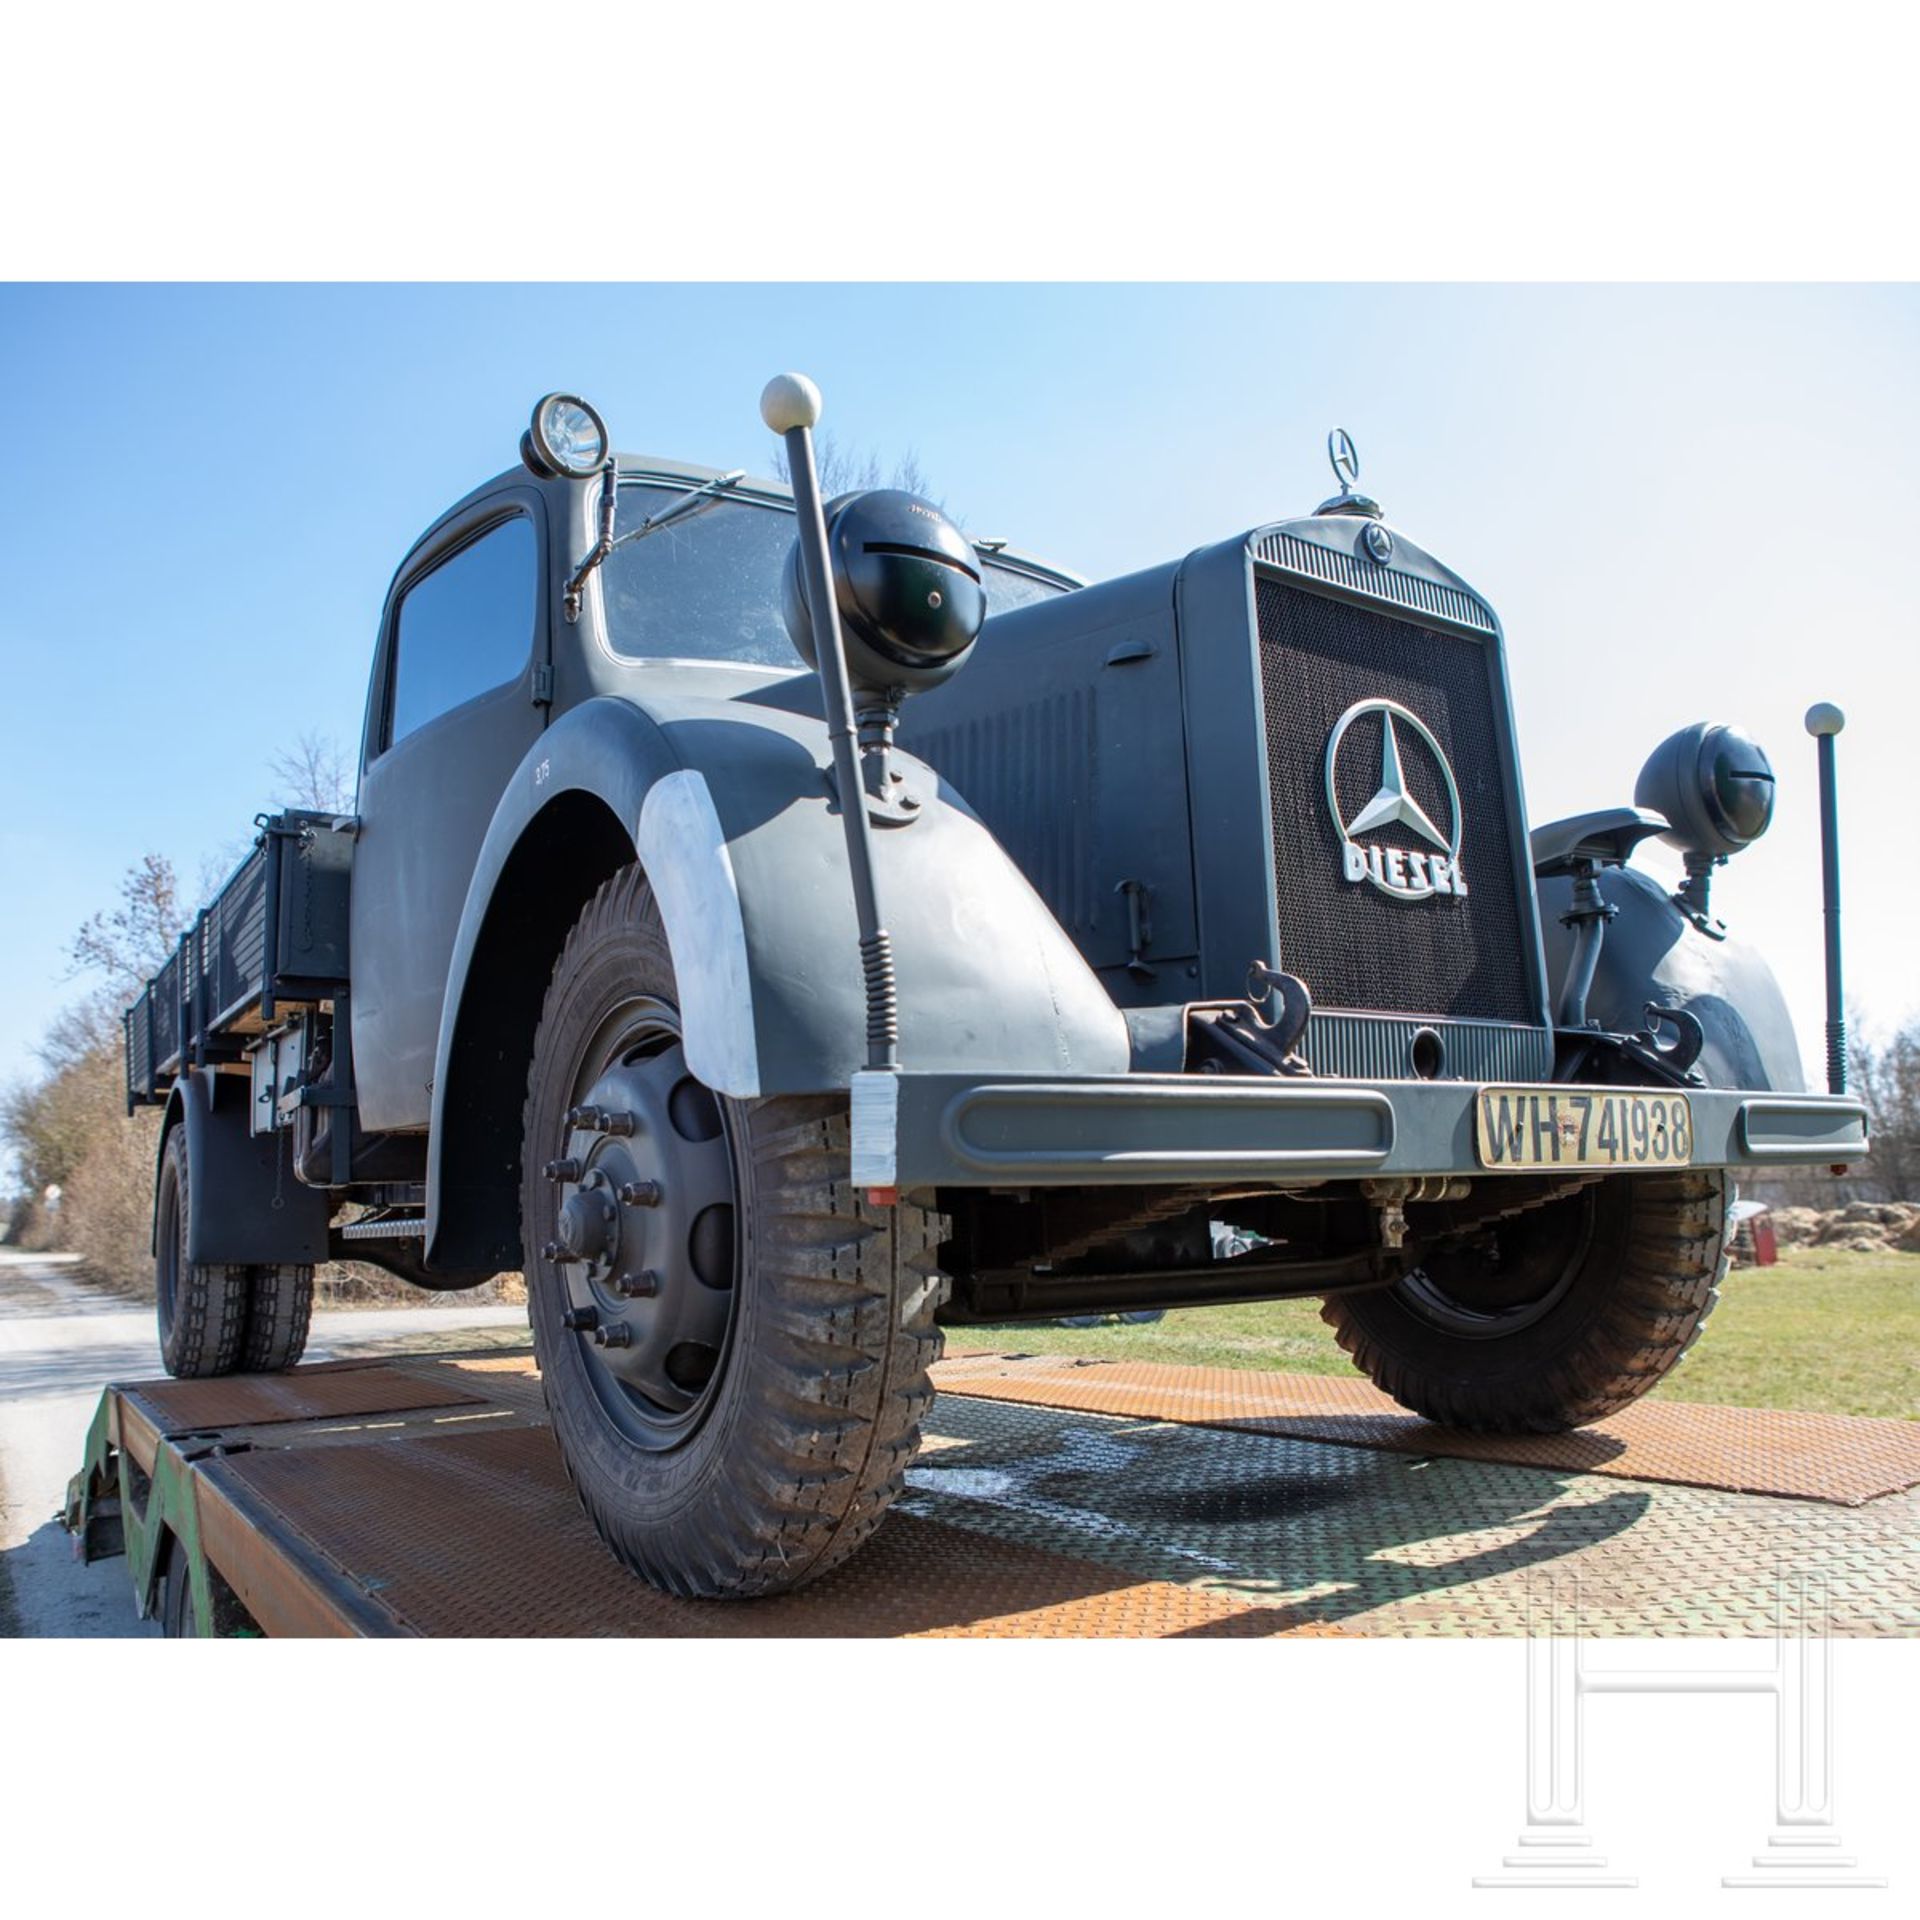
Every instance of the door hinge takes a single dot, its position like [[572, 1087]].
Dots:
[[543, 686]]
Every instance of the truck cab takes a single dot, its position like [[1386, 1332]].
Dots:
[[476, 656]]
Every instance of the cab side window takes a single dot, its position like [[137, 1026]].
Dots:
[[466, 627]]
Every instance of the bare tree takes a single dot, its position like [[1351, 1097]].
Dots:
[[842, 470], [911, 477], [51, 1124], [1887, 1078], [315, 773], [129, 942], [74, 1111]]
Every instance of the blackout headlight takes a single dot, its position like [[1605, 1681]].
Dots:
[[1713, 785], [907, 584]]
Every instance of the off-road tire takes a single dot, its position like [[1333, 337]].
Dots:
[[1645, 1256], [279, 1313], [175, 1609], [202, 1309], [816, 1405], [179, 1615]]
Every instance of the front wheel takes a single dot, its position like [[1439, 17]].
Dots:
[[1553, 1317], [733, 1343]]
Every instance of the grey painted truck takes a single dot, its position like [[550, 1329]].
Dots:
[[780, 928]]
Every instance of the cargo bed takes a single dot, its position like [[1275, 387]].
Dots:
[[275, 933]]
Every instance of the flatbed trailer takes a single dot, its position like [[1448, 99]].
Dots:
[[424, 1496]]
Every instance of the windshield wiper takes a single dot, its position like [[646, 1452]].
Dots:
[[680, 508], [672, 511]]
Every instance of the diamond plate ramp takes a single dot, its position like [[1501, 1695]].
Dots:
[[479, 1534], [1838, 1458], [1021, 1518], [1381, 1542]]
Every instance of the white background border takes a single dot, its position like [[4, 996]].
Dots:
[[1335, 142]]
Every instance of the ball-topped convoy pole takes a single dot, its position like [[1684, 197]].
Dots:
[[790, 406], [1824, 721]]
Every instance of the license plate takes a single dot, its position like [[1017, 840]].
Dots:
[[1581, 1127]]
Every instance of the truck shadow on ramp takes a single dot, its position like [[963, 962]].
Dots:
[[1302, 1535]]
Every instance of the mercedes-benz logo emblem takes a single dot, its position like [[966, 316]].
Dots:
[[1344, 457], [1378, 542], [1405, 873]]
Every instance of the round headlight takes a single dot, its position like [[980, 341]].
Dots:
[[567, 440], [908, 587], [1713, 784]]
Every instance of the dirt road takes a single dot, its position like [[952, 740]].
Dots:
[[61, 1341]]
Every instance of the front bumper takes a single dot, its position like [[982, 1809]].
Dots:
[[942, 1129]]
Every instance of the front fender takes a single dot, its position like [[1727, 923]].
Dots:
[[728, 807], [1653, 952]]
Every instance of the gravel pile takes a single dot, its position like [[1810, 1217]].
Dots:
[[1866, 1226]]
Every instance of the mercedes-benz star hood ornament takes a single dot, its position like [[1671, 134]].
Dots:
[[1344, 458]]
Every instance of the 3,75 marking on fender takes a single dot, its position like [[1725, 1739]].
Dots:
[[1581, 1127]]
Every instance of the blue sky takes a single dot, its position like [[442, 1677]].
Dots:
[[1686, 503]]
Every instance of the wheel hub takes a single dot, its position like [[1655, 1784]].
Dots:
[[1510, 1278], [589, 1221], [644, 1230]]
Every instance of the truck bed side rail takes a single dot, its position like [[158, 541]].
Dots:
[[277, 931]]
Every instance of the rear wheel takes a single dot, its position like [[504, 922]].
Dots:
[[180, 1612], [179, 1616], [202, 1309], [733, 1344], [1553, 1317], [279, 1312]]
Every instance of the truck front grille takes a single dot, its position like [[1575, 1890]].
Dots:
[[1470, 956]]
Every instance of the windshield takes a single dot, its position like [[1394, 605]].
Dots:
[[707, 587]]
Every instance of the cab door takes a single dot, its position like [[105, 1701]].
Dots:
[[451, 711]]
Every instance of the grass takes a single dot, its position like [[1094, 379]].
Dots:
[[512, 1339], [1823, 1332]]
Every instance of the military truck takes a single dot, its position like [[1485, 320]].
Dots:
[[781, 928]]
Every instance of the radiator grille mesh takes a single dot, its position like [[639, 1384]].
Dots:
[[1354, 946]]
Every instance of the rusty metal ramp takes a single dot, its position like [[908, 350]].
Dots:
[[1806, 1456], [446, 1512], [479, 1535], [326, 1392]]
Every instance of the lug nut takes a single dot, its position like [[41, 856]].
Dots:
[[638, 1286], [568, 1169], [640, 1193], [580, 1319], [558, 1254], [600, 1120], [613, 1336]]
